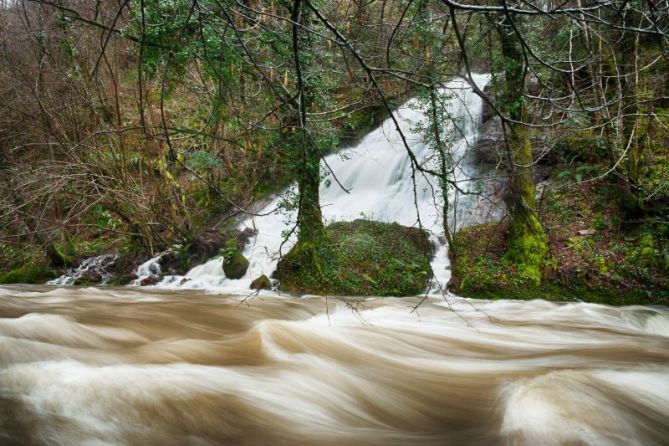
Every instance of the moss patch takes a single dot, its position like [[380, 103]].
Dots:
[[58, 258], [361, 258], [33, 274], [261, 283], [595, 255], [526, 253], [234, 262]]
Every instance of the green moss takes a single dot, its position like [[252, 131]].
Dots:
[[234, 262], [58, 258], [13, 256], [526, 252], [359, 258], [476, 255], [261, 283], [622, 264], [33, 274], [85, 282], [580, 146], [600, 264], [578, 243]]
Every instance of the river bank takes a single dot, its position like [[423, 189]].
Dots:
[[595, 254]]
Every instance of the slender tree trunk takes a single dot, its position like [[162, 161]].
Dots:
[[630, 200], [444, 169], [309, 216]]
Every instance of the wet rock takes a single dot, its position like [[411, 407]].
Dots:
[[151, 280], [91, 271], [261, 283], [489, 147], [234, 262], [244, 235], [90, 277], [487, 112]]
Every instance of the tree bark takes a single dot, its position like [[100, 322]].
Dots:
[[309, 216], [630, 200], [527, 245]]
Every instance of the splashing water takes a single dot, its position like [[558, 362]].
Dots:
[[378, 174], [97, 267], [145, 367], [149, 269]]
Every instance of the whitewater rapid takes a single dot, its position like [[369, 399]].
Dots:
[[122, 366], [378, 184]]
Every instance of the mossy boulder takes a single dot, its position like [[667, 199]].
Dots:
[[234, 262], [57, 258], [361, 258], [33, 274], [261, 283]]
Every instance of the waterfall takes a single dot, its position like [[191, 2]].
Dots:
[[377, 176]]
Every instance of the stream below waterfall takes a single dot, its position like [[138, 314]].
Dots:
[[123, 366]]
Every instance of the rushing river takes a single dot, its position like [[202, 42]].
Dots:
[[150, 367]]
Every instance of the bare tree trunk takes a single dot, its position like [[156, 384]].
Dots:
[[630, 200]]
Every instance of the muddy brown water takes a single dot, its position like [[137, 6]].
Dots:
[[82, 366]]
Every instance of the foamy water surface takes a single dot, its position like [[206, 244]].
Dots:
[[146, 367]]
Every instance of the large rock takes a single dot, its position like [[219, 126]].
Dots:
[[151, 280], [88, 278], [234, 262], [359, 258], [487, 111], [261, 283], [489, 147]]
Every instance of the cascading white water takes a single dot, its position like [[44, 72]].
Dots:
[[377, 176], [96, 267], [147, 270]]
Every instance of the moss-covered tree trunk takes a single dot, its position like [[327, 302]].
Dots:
[[527, 246], [309, 216]]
